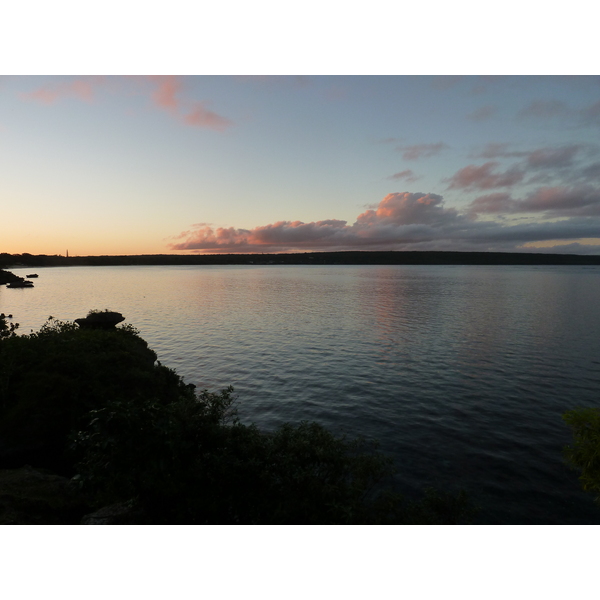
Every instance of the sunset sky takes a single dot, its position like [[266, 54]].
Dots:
[[193, 164]]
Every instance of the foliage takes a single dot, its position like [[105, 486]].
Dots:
[[192, 461], [96, 403], [584, 454], [51, 379], [7, 329]]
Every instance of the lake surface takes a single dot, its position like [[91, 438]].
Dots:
[[461, 373]]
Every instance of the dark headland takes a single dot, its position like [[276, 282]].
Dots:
[[306, 258]]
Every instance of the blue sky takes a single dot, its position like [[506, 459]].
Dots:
[[177, 164]]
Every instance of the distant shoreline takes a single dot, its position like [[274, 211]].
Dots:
[[305, 258]]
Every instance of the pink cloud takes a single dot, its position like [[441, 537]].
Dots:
[[169, 96], [399, 218], [406, 209], [412, 221], [165, 94], [82, 89], [482, 177], [202, 117]]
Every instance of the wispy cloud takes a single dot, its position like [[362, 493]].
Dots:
[[446, 82], [417, 151], [553, 202], [166, 93], [202, 117], [81, 89], [483, 113], [483, 177], [498, 150], [545, 157], [564, 164], [591, 173], [406, 175], [553, 158], [553, 109], [545, 109], [591, 114]]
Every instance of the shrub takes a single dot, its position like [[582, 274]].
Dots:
[[192, 461], [7, 329], [584, 454], [94, 402], [51, 379]]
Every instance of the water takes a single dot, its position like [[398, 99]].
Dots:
[[462, 373]]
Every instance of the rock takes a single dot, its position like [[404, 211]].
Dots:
[[30, 496], [8, 277], [100, 320]]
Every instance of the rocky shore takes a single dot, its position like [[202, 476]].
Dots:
[[8, 277]]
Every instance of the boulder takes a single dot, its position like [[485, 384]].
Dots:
[[100, 320]]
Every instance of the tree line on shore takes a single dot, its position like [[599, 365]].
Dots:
[[371, 257]]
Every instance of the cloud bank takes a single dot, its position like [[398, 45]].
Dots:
[[415, 221]]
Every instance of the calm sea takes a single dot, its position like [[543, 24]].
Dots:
[[461, 373]]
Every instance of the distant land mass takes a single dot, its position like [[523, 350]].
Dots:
[[305, 258]]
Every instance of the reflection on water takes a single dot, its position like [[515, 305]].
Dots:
[[462, 373]]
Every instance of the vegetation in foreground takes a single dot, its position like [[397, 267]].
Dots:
[[93, 405], [584, 454]]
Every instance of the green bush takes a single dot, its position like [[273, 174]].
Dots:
[[584, 454]]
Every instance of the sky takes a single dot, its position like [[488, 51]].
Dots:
[[203, 164]]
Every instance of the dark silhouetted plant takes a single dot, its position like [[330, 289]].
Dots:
[[584, 454], [95, 403], [7, 329], [51, 379]]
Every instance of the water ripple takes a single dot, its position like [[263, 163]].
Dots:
[[462, 373]]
